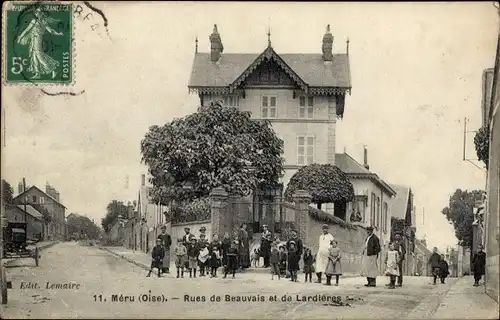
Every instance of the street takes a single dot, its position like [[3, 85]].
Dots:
[[83, 280]]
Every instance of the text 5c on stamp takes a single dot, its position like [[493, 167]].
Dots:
[[38, 43]]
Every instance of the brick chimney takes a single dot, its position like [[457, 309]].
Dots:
[[20, 188], [365, 163], [328, 45], [143, 179], [216, 47]]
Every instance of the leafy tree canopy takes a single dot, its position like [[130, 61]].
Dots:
[[460, 212], [81, 224], [482, 144], [7, 192], [325, 182], [217, 146], [114, 209]]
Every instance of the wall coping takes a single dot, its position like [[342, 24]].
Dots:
[[192, 222]]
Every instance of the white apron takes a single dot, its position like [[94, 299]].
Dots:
[[322, 255], [369, 267]]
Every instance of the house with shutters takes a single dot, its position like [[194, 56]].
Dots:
[[301, 94]]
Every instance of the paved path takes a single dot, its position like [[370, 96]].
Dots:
[[101, 274]]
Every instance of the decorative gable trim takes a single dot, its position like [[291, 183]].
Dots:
[[328, 91], [269, 54]]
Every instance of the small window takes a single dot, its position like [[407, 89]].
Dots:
[[384, 216], [42, 200], [306, 107], [269, 106], [232, 101], [305, 150], [378, 213], [34, 199]]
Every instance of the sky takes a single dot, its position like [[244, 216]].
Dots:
[[416, 74]]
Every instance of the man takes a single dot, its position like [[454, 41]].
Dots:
[[401, 248], [434, 262], [265, 245], [166, 242], [322, 256], [298, 244], [203, 230], [370, 256], [186, 239]]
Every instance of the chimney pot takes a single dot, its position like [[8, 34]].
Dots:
[[328, 45], [366, 159], [143, 180]]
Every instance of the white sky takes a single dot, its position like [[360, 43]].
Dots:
[[416, 73]]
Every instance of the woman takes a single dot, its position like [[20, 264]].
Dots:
[[244, 246], [40, 62]]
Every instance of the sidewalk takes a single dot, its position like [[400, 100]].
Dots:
[[466, 302], [456, 300], [40, 245]]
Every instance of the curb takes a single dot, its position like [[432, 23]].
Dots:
[[141, 265], [430, 304]]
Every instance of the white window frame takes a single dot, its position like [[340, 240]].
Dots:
[[306, 107], [232, 100], [42, 200], [305, 158], [267, 109]]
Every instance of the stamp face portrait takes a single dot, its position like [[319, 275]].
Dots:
[[38, 46]]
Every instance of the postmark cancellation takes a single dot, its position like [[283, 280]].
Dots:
[[38, 43]]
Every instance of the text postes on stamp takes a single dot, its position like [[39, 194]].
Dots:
[[38, 47]]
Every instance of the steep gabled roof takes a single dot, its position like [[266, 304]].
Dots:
[[32, 211], [398, 205], [308, 68], [354, 169], [35, 187]]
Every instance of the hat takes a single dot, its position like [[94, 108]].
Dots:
[[164, 227], [187, 228], [202, 235], [203, 229], [158, 240], [397, 232], [264, 226], [369, 228], [325, 226], [292, 242]]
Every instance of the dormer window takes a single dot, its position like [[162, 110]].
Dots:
[[232, 101]]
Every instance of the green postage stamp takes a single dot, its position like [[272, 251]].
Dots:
[[38, 43]]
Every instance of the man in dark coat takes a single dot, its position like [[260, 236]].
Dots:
[[299, 247], [434, 262], [401, 248], [370, 256], [478, 264], [166, 242], [187, 236]]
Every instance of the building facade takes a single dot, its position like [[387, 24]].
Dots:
[[302, 95], [49, 201], [492, 224], [32, 218]]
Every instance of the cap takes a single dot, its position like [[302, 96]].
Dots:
[[398, 232], [325, 226], [203, 229], [369, 228], [202, 235], [187, 228], [163, 227], [264, 226]]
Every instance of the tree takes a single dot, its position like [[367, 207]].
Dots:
[[460, 212], [482, 144], [325, 182], [217, 146], [83, 225], [7, 192], [114, 209]]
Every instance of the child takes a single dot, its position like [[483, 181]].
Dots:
[[333, 267], [434, 260], [443, 269], [157, 254], [203, 254], [478, 264], [231, 260], [293, 260], [180, 252], [275, 261], [391, 261], [283, 259], [214, 260], [308, 264], [192, 253]]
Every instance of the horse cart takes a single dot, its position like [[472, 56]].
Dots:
[[15, 246]]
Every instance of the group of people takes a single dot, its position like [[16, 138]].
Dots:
[[192, 254]]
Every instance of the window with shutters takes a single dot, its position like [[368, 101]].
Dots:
[[305, 150], [269, 107], [306, 107]]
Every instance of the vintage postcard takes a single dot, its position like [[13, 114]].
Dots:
[[250, 160]]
